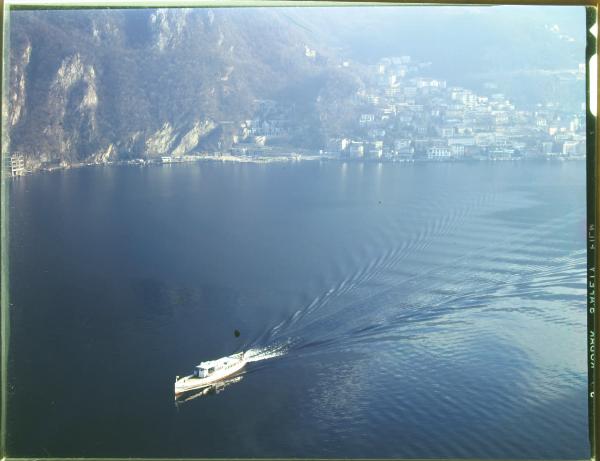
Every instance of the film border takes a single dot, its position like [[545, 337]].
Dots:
[[593, 155]]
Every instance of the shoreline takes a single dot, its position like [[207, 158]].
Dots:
[[289, 158]]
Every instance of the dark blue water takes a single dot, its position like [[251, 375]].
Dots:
[[424, 310]]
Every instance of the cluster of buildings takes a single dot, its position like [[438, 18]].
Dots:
[[409, 117], [270, 126]]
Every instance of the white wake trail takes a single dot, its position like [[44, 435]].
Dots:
[[265, 353]]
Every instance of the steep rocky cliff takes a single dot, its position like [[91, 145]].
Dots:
[[100, 85]]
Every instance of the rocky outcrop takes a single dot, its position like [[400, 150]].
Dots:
[[160, 142], [168, 26], [192, 137], [105, 155], [18, 84], [73, 100]]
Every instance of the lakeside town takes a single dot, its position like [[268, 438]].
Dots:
[[402, 117], [417, 118]]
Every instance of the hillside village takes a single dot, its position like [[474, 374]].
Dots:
[[406, 117]]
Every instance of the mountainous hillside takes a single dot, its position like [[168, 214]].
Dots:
[[101, 85], [457, 40], [519, 48]]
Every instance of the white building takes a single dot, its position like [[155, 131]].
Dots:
[[573, 148], [402, 143], [457, 150], [17, 165], [366, 119], [309, 53], [439, 153], [357, 149]]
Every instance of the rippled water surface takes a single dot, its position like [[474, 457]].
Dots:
[[391, 310]]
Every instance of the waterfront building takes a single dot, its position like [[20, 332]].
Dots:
[[572, 148], [356, 149], [457, 150], [17, 165], [439, 153]]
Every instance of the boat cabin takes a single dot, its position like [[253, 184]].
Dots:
[[206, 369], [202, 372]]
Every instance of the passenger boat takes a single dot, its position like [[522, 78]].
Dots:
[[209, 373]]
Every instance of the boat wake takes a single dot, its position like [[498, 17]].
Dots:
[[383, 302], [270, 352], [450, 273]]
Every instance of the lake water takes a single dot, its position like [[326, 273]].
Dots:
[[392, 310]]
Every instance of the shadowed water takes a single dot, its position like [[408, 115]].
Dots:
[[425, 310]]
